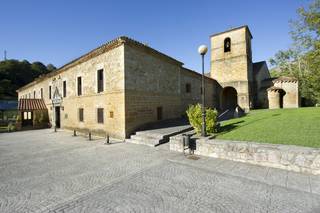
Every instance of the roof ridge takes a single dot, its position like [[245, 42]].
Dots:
[[232, 29], [96, 51]]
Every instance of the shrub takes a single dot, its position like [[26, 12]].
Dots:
[[11, 127], [18, 119], [195, 118]]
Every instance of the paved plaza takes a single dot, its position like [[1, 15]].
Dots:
[[43, 171]]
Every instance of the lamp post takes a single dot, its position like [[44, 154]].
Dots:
[[202, 51]]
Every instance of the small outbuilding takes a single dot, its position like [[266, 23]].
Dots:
[[33, 113]]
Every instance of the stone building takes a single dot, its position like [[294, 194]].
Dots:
[[243, 82], [124, 84]]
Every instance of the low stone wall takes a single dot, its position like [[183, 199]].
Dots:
[[293, 158]]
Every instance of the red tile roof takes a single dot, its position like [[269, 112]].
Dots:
[[31, 104], [285, 79]]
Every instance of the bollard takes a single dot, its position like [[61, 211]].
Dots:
[[186, 140], [186, 143], [74, 132], [55, 129], [107, 140], [90, 136]]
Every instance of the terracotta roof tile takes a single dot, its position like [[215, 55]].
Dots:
[[31, 104], [285, 79]]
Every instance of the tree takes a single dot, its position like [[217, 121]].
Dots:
[[51, 68], [38, 68], [15, 74], [302, 59]]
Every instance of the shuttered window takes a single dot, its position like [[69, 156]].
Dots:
[[100, 115], [188, 88], [81, 114], [79, 83], [100, 80], [64, 89]]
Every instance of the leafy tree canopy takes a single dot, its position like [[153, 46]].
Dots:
[[302, 59], [15, 74]]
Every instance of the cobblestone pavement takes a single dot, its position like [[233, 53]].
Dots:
[[42, 171]]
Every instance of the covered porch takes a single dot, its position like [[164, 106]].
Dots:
[[32, 113]]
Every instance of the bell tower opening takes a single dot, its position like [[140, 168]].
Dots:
[[227, 45]]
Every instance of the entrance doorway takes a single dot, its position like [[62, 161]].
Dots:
[[281, 94], [27, 118], [229, 99], [57, 116]]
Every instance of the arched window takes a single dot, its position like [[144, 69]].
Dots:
[[227, 45]]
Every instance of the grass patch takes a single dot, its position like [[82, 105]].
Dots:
[[281, 126]]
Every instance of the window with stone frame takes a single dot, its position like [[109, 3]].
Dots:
[[100, 118], [100, 81], [41, 93], [79, 86], [49, 92], [81, 114], [64, 89], [188, 88]]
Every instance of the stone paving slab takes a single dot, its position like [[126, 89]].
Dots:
[[42, 171]]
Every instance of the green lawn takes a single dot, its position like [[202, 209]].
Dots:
[[281, 126]]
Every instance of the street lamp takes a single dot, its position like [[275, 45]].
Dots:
[[202, 51]]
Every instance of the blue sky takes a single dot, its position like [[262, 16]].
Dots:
[[59, 31]]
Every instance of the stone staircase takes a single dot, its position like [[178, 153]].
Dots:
[[156, 137]]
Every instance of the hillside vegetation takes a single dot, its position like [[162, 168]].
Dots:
[[15, 74]]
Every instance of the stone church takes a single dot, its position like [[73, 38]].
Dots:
[[124, 84]]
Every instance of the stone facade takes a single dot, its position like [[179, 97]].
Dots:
[[111, 99], [292, 158], [141, 86]]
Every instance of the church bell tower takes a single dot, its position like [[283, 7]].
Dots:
[[231, 66]]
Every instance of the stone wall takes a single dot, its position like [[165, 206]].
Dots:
[[293, 158], [261, 82], [152, 82], [274, 99], [194, 79]]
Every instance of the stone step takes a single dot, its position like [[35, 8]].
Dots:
[[149, 134], [147, 142], [146, 137], [157, 136]]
